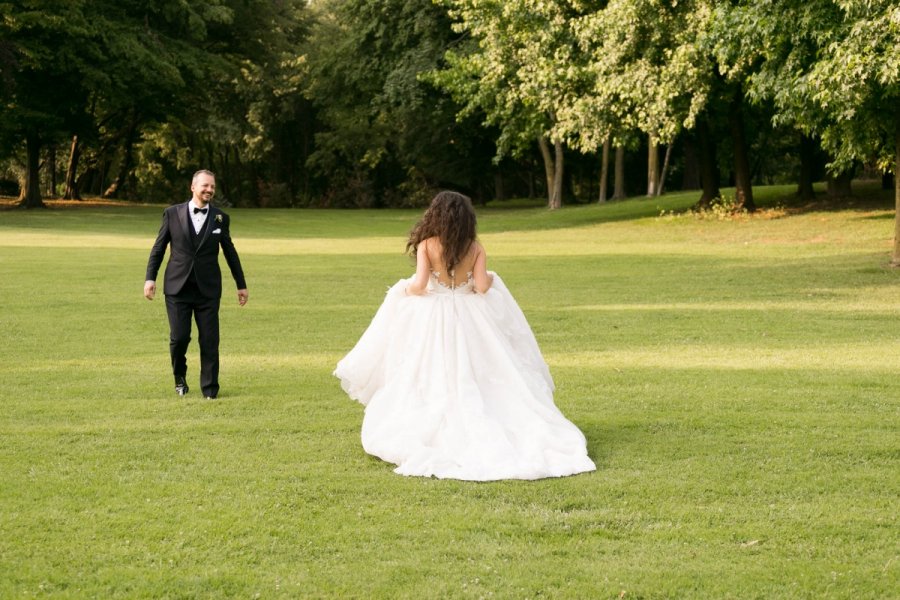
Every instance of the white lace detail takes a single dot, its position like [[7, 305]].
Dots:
[[436, 275]]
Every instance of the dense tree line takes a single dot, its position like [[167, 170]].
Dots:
[[135, 94], [375, 103]]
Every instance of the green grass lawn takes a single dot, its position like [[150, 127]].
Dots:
[[738, 382]]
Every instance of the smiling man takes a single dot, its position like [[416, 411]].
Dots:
[[193, 281]]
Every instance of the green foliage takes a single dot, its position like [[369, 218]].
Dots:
[[647, 68], [510, 71], [857, 81], [581, 71], [243, 109], [830, 69], [387, 136], [736, 382], [194, 78], [374, 103], [46, 47]]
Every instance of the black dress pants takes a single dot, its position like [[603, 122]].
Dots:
[[187, 303]]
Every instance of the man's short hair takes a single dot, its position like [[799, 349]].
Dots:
[[202, 172]]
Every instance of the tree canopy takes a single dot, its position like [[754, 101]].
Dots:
[[364, 103]]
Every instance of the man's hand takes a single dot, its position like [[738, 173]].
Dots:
[[242, 297], [149, 289]]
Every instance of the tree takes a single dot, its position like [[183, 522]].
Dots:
[[222, 83], [387, 135], [151, 88], [856, 83], [831, 68], [50, 62], [519, 70], [643, 71], [78, 64]]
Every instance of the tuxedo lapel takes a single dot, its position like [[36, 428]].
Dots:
[[185, 220]]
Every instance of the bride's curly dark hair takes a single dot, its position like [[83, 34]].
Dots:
[[450, 218]]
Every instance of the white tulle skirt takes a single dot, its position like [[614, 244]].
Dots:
[[455, 387]]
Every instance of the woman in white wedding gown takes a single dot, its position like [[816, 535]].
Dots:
[[450, 373]]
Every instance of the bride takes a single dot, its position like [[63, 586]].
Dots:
[[449, 371]]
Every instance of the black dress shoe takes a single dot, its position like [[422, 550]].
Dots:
[[181, 386]]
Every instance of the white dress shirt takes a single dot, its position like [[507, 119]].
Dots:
[[198, 219]]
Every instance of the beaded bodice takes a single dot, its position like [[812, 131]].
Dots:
[[435, 283]]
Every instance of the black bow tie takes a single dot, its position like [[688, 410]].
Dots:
[[200, 210]]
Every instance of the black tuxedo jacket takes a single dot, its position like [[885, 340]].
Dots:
[[199, 255]]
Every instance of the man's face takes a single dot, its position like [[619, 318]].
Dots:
[[204, 188]]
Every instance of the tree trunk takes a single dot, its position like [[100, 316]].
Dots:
[[807, 168], [549, 167], [51, 159], [90, 178], [709, 169], [553, 169], [85, 181], [604, 172], [839, 186], [619, 184], [100, 173], [499, 193], [661, 183], [31, 191], [115, 190], [743, 193], [71, 192], [652, 167], [887, 181], [691, 178], [896, 258], [556, 198]]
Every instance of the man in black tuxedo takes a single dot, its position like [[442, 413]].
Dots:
[[193, 280]]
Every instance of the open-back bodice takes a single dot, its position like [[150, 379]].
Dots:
[[437, 284], [460, 278]]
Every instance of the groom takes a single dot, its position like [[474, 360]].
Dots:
[[193, 281]]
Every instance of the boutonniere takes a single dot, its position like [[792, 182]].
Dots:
[[218, 218]]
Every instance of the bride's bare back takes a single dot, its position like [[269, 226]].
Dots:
[[430, 262]]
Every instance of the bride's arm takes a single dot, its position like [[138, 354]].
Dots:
[[483, 279], [419, 283]]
